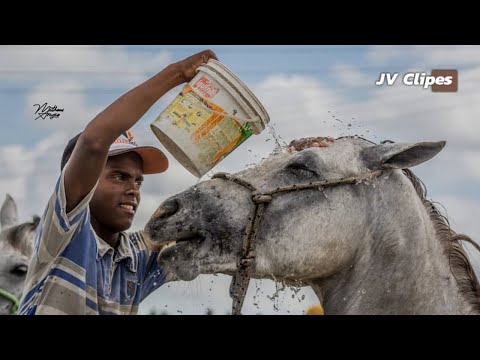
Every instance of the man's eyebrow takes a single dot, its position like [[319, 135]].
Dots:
[[126, 173]]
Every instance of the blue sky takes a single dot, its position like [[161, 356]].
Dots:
[[302, 87]]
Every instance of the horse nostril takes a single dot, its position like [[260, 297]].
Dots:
[[19, 270], [168, 208]]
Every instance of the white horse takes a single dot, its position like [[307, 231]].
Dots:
[[350, 220], [16, 245]]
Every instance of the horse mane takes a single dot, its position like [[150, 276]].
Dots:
[[460, 265]]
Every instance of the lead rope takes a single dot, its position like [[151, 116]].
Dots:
[[13, 299], [241, 279]]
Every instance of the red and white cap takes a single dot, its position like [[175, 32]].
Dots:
[[154, 161]]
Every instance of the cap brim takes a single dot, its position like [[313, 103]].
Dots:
[[154, 161]]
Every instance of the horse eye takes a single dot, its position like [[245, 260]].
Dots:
[[19, 270], [301, 169]]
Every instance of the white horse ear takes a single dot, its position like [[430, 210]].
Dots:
[[8, 213], [400, 156]]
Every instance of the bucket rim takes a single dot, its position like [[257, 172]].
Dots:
[[230, 72], [240, 88]]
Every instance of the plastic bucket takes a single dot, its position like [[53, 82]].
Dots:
[[210, 118]]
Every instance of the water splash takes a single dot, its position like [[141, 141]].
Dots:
[[278, 139], [296, 290], [256, 297], [279, 287]]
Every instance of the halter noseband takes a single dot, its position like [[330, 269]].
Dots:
[[240, 281]]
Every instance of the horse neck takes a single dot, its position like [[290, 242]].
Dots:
[[400, 266]]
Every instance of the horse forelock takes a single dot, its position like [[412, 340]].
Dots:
[[460, 264]]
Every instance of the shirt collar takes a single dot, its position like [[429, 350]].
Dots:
[[123, 251]]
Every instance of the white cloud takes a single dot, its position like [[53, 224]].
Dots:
[[104, 65], [383, 54], [350, 76], [433, 55], [29, 175]]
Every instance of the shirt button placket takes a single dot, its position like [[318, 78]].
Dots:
[[107, 277]]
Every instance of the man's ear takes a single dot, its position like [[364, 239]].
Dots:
[[8, 213], [400, 156]]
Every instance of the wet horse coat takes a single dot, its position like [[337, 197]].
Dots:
[[376, 246]]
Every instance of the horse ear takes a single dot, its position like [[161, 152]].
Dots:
[[400, 156], [8, 213]]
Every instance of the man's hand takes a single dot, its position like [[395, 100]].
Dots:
[[303, 143], [187, 66]]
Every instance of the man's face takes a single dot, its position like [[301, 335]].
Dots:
[[117, 196]]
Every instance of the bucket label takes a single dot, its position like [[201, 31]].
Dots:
[[214, 133], [206, 88]]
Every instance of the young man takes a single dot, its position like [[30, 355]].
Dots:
[[84, 262]]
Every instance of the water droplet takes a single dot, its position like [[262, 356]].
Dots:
[[389, 290], [155, 283], [363, 291], [344, 299]]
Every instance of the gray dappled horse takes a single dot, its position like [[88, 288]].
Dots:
[[16, 245], [350, 220]]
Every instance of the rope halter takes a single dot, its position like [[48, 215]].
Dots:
[[241, 279]]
